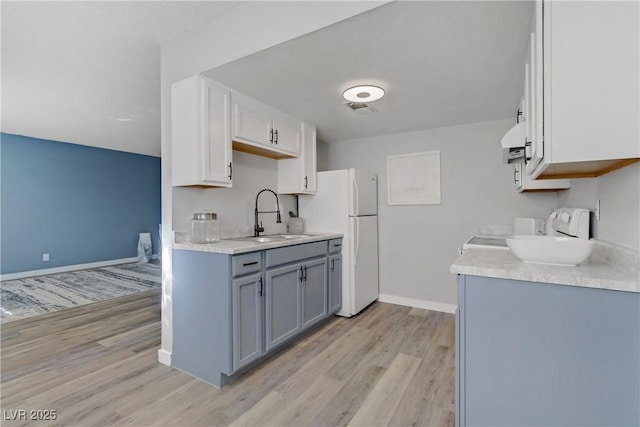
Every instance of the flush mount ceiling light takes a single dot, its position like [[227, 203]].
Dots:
[[363, 93]]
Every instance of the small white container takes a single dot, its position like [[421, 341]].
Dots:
[[205, 228], [296, 225]]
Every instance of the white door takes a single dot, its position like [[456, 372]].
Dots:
[[364, 262], [251, 121], [216, 144], [309, 158], [363, 193], [287, 133]]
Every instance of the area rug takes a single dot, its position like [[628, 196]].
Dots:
[[33, 296]]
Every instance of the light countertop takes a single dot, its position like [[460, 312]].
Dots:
[[234, 246], [601, 270]]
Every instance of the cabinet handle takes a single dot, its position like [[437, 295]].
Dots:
[[306, 182], [332, 259], [260, 287], [271, 135], [519, 116], [515, 176], [301, 275], [276, 139], [337, 245], [230, 170], [305, 272], [249, 263]]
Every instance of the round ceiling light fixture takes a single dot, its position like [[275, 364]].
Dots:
[[363, 93]]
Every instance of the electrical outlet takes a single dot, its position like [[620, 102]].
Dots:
[[45, 257]]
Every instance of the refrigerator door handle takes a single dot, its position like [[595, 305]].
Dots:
[[356, 237], [355, 197]]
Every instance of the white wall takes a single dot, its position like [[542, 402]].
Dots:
[[242, 30], [419, 243], [322, 156], [619, 194], [235, 206]]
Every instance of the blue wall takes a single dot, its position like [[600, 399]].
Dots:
[[79, 204]]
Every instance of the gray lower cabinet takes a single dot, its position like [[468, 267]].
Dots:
[[314, 291], [282, 304], [229, 311], [247, 319], [335, 283], [534, 354], [296, 298]]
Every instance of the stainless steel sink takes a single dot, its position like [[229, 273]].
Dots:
[[260, 239], [290, 236], [271, 238]]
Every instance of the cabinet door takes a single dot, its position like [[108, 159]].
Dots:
[[216, 144], [309, 160], [247, 320], [335, 283], [537, 101], [526, 115], [298, 175], [287, 133], [200, 133], [314, 291], [282, 304], [251, 121]]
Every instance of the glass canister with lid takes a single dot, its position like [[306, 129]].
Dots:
[[205, 227]]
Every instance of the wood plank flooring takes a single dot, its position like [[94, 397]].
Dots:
[[96, 365]]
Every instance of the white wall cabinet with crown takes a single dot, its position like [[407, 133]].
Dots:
[[262, 130], [209, 121], [200, 133], [586, 109], [298, 176], [529, 117]]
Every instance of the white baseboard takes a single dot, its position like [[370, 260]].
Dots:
[[68, 268], [418, 303], [164, 357]]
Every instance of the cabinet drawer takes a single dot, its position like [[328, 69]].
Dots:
[[246, 263], [295, 253], [335, 246]]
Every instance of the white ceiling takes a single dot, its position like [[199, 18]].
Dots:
[[442, 63], [89, 72]]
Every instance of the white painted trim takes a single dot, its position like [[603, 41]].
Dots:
[[164, 357], [67, 268], [418, 303]]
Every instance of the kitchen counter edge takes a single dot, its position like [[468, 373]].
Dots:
[[233, 247], [502, 264]]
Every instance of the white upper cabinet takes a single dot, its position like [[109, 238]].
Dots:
[[298, 176], [200, 133], [586, 74], [260, 129], [530, 112]]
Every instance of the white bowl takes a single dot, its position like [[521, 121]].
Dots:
[[552, 250]]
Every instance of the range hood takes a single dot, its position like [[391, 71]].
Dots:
[[513, 143]]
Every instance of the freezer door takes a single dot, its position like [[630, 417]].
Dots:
[[364, 265], [363, 193]]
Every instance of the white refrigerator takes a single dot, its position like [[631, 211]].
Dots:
[[347, 202]]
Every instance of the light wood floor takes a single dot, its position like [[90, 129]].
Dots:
[[97, 365]]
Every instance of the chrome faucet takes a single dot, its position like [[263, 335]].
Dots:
[[257, 229]]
